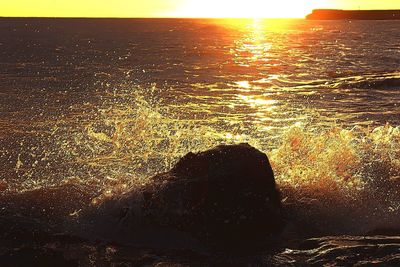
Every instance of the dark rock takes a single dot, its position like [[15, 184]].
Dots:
[[35, 257], [346, 251], [226, 197]]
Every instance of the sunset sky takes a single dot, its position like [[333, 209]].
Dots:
[[181, 8]]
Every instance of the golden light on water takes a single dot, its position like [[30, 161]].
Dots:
[[254, 41], [251, 50], [257, 102]]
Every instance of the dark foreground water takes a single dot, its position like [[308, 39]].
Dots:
[[101, 105]]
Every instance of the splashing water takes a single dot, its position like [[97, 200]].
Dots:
[[340, 180], [337, 157], [132, 135], [125, 138]]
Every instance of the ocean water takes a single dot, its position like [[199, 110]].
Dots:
[[106, 104]]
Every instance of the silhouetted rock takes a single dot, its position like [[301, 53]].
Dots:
[[225, 197]]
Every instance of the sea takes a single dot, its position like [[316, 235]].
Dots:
[[102, 105]]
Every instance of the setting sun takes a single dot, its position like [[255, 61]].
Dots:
[[181, 8], [247, 9]]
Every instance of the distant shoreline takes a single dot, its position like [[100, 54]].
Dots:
[[337, 14]]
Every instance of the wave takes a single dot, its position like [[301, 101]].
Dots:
[[114, 148], [333, 181], [388, 81], [384, 81], [340, 180]]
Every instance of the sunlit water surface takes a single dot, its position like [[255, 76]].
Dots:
[[111, 102]]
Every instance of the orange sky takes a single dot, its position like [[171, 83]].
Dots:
[[181, 8]]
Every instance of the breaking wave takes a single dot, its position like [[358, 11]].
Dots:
[[388, 81], [340, 180], [107, 151]]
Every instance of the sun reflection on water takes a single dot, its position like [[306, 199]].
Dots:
[[252, 49], [255, 102], [242, 89]]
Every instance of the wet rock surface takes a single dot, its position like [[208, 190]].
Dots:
[[224, 199], [220, 207], [346, 251], [64, 250], [225, 196]]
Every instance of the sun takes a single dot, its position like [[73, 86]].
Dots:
[[246, 8]]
